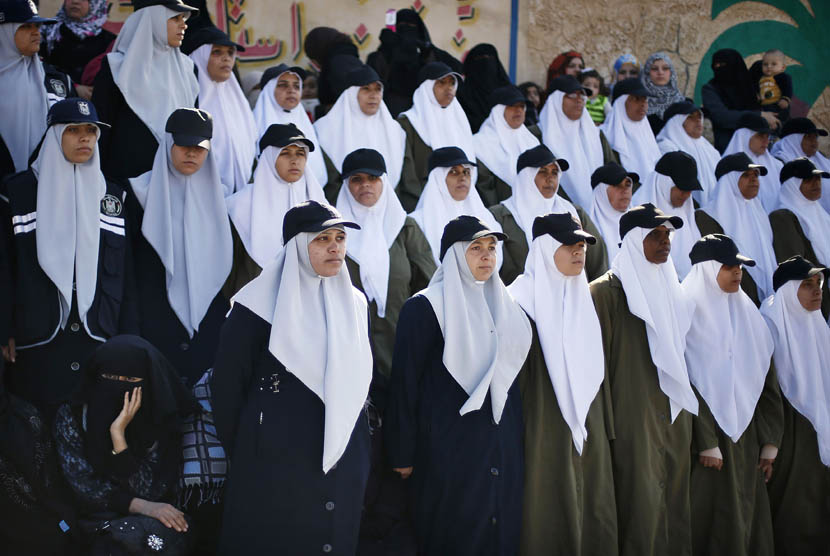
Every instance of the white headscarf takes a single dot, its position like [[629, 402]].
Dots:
[[498, 145], [802, 357], [24, 95], [634, 141], [267, 112], [436, 208], [234, 131], [770, 186], [369, 246], [69, 221], [154, 77], [469, 312], [345, 128], [728, 349], [814, 220], [789, 148], [568, 329], [327, 344], [258, 210], [186, 223], [746, 222], [607, 219], [654, 296], [577, 142], [527, 202], [673, 137], [657, 190]]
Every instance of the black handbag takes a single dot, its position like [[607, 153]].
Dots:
[[143, 535]]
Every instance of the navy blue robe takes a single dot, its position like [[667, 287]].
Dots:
[[468, 471]]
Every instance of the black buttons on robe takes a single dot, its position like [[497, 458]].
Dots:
[[75, 366], [184, 346], [74, 327], [327, 548], [329, 506], [494, 472]]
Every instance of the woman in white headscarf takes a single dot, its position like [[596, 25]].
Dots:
[[280, 102], [360, 119], [454, 416], [389, 258], [613, 188], [141, 82], [234, 131], [289, 386], [628, 130], [498, 143], [739, 426], [567, 455], [684, 132], [69, 285], [752, 138], [535, 194], [800, 484], [183, 246], [280, 182], [799, 138]]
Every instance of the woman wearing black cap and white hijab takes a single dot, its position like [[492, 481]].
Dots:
[[65, 258], [119, 447], [280, 103], [436, 120], [799, 138], [535, 194], [800, 484], [752, 138], [454, 419], [388, 258], [628, 130], [288, 399], [570, 507], [739, 426], [613, 188], [234, 131], [669, 187], [281, 181], [498, 143], [141, 82], [360, 119], [644, 319], [183, 245]]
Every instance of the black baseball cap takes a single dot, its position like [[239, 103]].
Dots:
[[647, 216], [612, 174], [194, 38], [796, 268], [801, 125], [539, 156], [720, 248], [363, 161], [73, 111], [567, 84], [737, 162], [681, 168], [801, 168], [276, 71], [465, 228], [508, 96], [437, 70], [21, 11], [361, 75], [753, 121], [447, 157], [311, 216], [175, 5], [190, 127], [282, 135], [564, 228], [630, 86], [684, 107]]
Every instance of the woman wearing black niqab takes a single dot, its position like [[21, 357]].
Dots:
[[335, 55], [483, 73]]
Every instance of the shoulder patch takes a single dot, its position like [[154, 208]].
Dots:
[[58, 86], [111, 205]]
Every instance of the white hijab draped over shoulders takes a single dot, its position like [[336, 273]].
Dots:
[[498, 145], [789, 148], [673, 137], [527, 202], [154, 77], [470, 312], [607, 219], [327, 344], [569, 332], [770, 186], [814, 220], [633, 141]]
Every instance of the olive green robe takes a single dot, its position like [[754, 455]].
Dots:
[[244, 268], [650, 454], [515, 248], [411, 266], [730, 508], [569, 506], [799, 491], [788, 240]]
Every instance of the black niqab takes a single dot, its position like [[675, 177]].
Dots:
[[733, 80], [336, 55], [483, 73]]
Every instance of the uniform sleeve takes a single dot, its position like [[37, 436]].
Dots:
[[596, 259], [6, 269], [333, 181], [129, 319], [704, 429], [600, 293], [787, 237], [785, 83], [486, 185], [410, 187], [769, 413], [105, 97], [421, 261], [609, 154]]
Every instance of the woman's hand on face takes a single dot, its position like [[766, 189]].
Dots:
[[404, 472], [131, 406], [168, 515]]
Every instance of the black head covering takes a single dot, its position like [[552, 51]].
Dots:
[[336, 55], [409, 16], [483, 73], [733, 80]]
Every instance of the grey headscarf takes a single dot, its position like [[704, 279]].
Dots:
[[660, 97]]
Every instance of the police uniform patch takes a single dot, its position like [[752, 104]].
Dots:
[[111, 205], [83, 108], [58, 87]]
